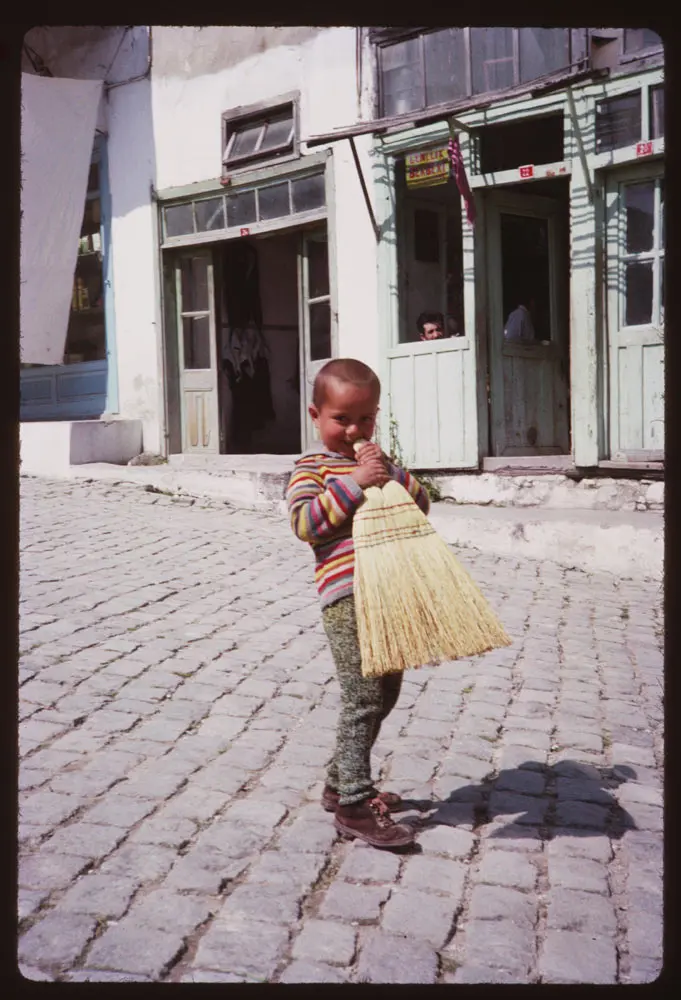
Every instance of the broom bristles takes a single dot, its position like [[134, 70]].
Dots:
[[416, 605]]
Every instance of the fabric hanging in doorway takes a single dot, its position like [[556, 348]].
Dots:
[[245, 355], [459, 172]]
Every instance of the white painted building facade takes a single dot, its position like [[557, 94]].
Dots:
[[568, 183]]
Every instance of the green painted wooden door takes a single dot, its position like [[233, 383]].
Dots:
[[431, 385], [423, 263], [316, 300], [528, 348], [197, 352], [635, 313]]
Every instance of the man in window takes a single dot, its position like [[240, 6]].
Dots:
[[520, 325], [431, 326]]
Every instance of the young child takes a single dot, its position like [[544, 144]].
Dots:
[[325, 489]]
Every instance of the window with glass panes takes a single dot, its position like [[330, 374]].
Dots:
[[266, 202], [641, 258], [656, 113], [267, 135], [620, 120], [431, 67], [640, 39]]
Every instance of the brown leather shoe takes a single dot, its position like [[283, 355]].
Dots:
[[331, 798], [370, 821]]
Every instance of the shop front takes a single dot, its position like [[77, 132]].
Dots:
[[552, 300], [249, 308], [542, 261], [496, 387]]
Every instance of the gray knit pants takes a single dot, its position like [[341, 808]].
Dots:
[[365, 703]]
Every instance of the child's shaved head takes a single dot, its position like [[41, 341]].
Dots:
[[346, 370]]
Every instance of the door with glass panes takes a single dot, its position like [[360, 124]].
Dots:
[[197, 353], [528, 335], [635, 313], [424, 263], [318, 319]]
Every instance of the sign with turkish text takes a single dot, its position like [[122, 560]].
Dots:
[[427, 167]]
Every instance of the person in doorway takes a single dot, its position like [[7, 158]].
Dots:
[[452, 325], [431, 326], [324, 491], [520, 323]]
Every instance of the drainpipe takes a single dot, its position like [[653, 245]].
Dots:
[[358, 70]]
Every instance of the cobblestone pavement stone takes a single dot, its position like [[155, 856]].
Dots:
[[177, 705]]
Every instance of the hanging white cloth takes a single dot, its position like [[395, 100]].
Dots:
[[519, 325], [242, 348], [58, 119]]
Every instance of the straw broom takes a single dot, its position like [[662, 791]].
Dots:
[[416, 605]]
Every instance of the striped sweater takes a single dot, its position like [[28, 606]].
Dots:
[[322, 498]]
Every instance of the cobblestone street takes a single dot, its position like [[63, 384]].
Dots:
[[178, 705]]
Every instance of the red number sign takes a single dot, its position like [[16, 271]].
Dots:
[[644, 149], [527, 171]]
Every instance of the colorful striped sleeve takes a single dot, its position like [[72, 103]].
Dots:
[[411, 485], [317, 513]]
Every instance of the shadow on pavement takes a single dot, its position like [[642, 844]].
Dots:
[[568, 798]]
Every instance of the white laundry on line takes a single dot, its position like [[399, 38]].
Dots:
[[58, 119]]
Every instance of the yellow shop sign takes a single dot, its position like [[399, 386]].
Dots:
[[427, 167]]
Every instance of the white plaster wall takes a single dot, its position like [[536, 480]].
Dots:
[[52, 447], [135, 260], [44, 448], [356, 273], [187, 115]]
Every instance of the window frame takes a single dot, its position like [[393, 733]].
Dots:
[[652, 90], [645, 92], [317, 169], [383, 39], [610, 100], [655, 255], [644, 53], [264, 113]]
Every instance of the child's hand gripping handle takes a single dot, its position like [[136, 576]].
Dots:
[[372, 470]]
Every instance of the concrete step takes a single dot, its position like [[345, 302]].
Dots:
[[628, 543], [554, 491], [52, 448], [260, 489]]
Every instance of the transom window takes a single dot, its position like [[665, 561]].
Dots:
[[432, 67], [641, 252], [286, 197], [251, 138]]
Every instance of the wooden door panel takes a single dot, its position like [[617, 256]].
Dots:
[[635, 348], [528, 378], [197, 352]]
